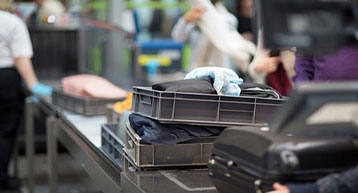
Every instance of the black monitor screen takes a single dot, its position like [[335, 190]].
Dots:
[[311, 25]]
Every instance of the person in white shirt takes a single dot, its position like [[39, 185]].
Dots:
[[204, 53], [15, 63]]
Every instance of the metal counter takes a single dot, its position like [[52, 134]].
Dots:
[[163, 181], [81, 135]]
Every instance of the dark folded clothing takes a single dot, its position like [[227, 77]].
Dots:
[[153, 132], [245, 86], [259, 90], [199, 85]]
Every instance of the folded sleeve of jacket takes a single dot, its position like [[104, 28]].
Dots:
[[182, 30], [304, 69], [346, 182]]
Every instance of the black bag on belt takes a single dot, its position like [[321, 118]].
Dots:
[[247, 160]]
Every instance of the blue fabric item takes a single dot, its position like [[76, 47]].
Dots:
[[226, 81], [160, 44], [303, 188], [41, 89], [137, 22], [153, 132], [152, 67], [35, 98]]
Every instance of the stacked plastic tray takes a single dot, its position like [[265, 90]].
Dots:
[[184, 108], [112, 116], [134, 152], [111, 144], [203, 109], [194, 152], [82, 105]]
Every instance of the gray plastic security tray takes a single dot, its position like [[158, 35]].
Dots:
[[82, 105], [112, 116], [203, 109], [111, 143], [194, 152]]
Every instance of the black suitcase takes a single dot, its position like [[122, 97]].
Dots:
[[248, 160], [313, 135]]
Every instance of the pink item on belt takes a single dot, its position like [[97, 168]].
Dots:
[[87, 85]]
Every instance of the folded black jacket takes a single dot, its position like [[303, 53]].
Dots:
[[259, 90], [199, 85], [153, 132]]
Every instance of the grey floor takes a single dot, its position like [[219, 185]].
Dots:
[[72, 178]]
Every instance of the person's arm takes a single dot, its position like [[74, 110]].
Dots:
[[346, 182], [21, 50], [186, 24], [265, 64], [304, 69], [262, 63], [288, 59], [26, 70]]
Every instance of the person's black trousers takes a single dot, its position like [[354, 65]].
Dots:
[[10, 114]]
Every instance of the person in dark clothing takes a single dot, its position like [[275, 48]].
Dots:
[[15, 63], [156, 23], [346, 182], [10, 106], [244, 14], [341, 65]]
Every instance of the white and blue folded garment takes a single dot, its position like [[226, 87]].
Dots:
[[226, 81]]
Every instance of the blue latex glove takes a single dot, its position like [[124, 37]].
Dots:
[[41, 89]]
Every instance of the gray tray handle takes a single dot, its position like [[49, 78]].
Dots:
[[142, 99]]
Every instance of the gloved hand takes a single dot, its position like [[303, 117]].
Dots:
[[41, 89]]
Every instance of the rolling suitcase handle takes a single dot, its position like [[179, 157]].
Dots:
[[229, 163]]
